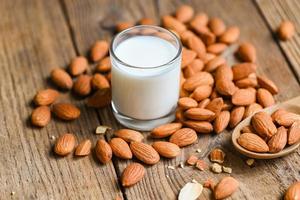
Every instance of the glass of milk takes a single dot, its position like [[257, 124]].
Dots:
[[145, 76]]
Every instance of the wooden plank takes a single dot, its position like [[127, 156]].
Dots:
[[160, 182], [34, 39], [274, 13]]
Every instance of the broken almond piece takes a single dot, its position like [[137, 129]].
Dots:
[[217, 155]]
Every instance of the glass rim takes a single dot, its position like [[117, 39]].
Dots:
[[177, 55]]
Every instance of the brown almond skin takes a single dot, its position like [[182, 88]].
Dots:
[[184, 137], [217, 26], [197, 45], [166, 149], [204, 103], [184, 13], [294, 133], [286, 30], [247, 52], [263, 125], [200, 19], [99, 50], [104, 65], [215, 105], [231, 35], [65, 144], [146, 21], [243, 70], [199, 126], [236, 116], [293, 192], [83, 148], [277, 114], [99, 99], [286, 118], [247, 82], [265, 98], [207, 37], [78, 66], [253, 142], [201, 114], [226, 187], [199, 79], [197, 65], [214, 63], [129, 135], [132, 174], [61, 79], [187, 57], [187, 102], [216, 48], [278, 141], [103, 151], [225, 87], [224, 72], [66, 111], [266, 83], [202, 92], [251, 109], [170, 22], [100, 82], [41, 116], [217, 155], [244, 97], [145, 153], [82, 85], [120, 148], [221, 121], [247, 129], [121, 26], [45, 97], [165, 130]]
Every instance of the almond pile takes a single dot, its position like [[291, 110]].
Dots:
[[271, 133]]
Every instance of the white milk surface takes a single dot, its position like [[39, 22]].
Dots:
[[145, 92]]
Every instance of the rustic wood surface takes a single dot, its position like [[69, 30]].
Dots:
[[39, 35]]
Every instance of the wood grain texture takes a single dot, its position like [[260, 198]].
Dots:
[[35, 38], [274, 13]]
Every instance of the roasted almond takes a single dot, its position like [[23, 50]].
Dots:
[[265, 98], [121, 26], [293, 192], [187, 57], [104, 65], [226, 187], [231, 35], [100, 99], [294, 133], [192, 160], [253, 142], [200, 78], [201, 114], [197, 45], [252, 109], [243, 70], [286, 118], [99, 50], [217, 155], [266, 83], [263, 125], [224, 72], [199, 126], [247, 52], [207, 37], [236, 116], [82, 85], [215, 105], [204, 103], [217, 26], [216, 48], [78, 65], [120, 148], [184, 137], [221, 121], [83, 148], [247, 82], [214, 63], [144, 152], [244, 97], [165, 130], [185, 35], [132, 174], [197, 65], [61, 78], [170, 22], [277, 114], [166, 149], [66, 111], [129, 135], [41, 116], [248, 129], [286, 30], [200, 20], [187, 102], [202, 92], [225, 87], [45, 97], [278, 141], [100, 82], [103, 151], [65, 144], [184, 13]]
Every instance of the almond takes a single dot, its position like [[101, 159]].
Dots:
[[78, 65], [61, 78], [263, 125], [208, 57], [202, 92], [216, 48], [286, 30], [199, 126], [188, 71], [221, 121], [207, 37], [100, 82], [247, 52], [200, 20], [247, 82], [100, 99], [192, 160], [200, 78], [165, 130], [252, 109], [187, 102], [217, 26], [82, 85], [248, 129], [225, 87], [214, 94], [146, 21], [294, 133], [244, 97], [197, 65], [41, 116], [104, 65], [129, 135], [144, 152], [187, 57], [166, 149], [120, 148], [132, 174], [214, 63], [224, 72], [236, 116], [83, 148], [65, 144], [253, 142], [277, 114], [66, 111], [184, 137], [286, 118], [243, 70], [278, 141], [266, 83], [199, 114], [197, 45], [45, 97], [265, 98], [225, 188], [170, 22], [231, 35], [179, 115], [204, 103], [121, 26], [184, 13], [217, 155], [293, 192], [103, 151], [99, 50], [216, 105], [185, 35], [201, 165]]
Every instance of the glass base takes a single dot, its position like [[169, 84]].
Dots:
[[142, 125]]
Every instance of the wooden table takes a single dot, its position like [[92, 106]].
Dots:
[[37, 35]]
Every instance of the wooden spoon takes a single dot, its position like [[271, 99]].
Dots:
[[292, 105]]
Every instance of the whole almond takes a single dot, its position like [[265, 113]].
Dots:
[[266, 83], [146, 21], [179, 115], [197, 45], [187, 102], [132, 174], [243, 70], [277, 113], [165, 130], [184, 137], [217, 26], [129, 135], [187, 57], [224, 72], [41, 116], [247, 82], [65, 144], [184, 13], [100, 99], [216, 48], [247, 129], [263, 125], [294, 133], [104, 65], [185, 35], [144, 152], [214, 63], [103, 151], [45, 97], [82, 85], [120, 148], [61, 78], [265, 98], [208, 57], [225, 87], [78, 65], [99, 50], [100, 82], [188, 71], [200, 78], [252, 109], [253, 142], [83, 148], [66, 111], [293, 192], [200, 20], [244, 97], [121, 26], [247, 52], [207, 37], [170, 22], [215, 105], [236, 116], [201, 114], [286, 30], [204, 103], [197, 65], [202, 92], [231, 35], [226, 187], [286, 118], [199, 126], [221, 121], [166, 149], [278, 141]]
